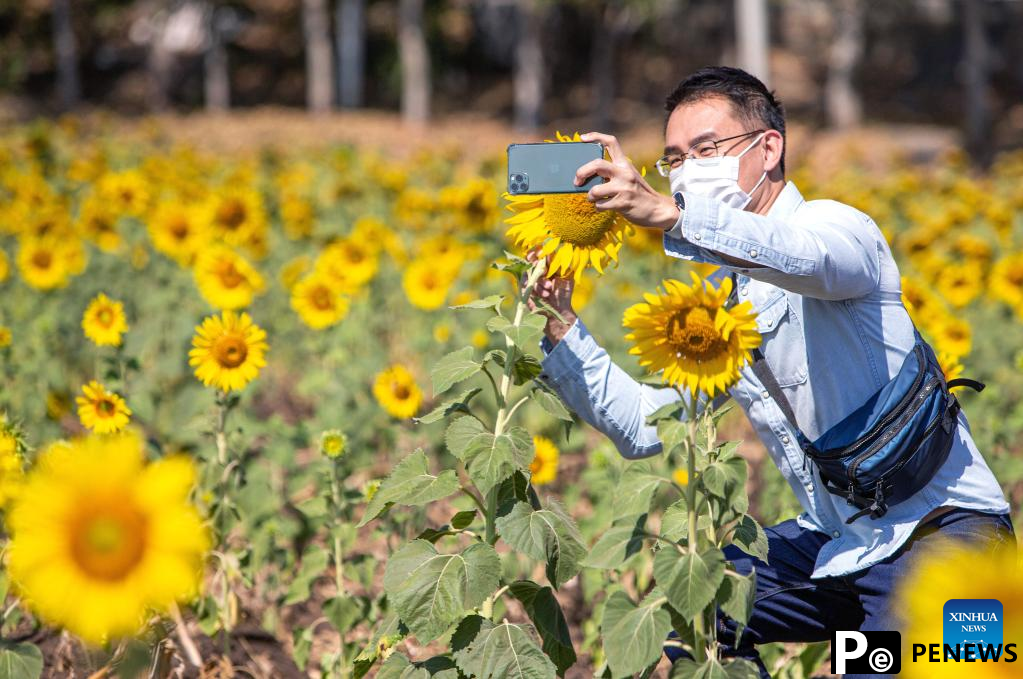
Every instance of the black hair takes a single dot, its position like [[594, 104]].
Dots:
[[750, 98]]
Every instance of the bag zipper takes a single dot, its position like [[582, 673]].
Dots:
[[923, 437], [851, 472], [893, 414]]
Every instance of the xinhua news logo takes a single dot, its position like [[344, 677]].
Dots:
[[866, 652], [971, 631]]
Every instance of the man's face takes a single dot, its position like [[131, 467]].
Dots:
[[714, 118]]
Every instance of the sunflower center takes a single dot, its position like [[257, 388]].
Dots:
[[536, 465], [42, 259], [179, 228], [230, 277], [574, 219], [401, 391], [108, 541], [322, 299], [106, 407], [231, 214], [692, 334], [354, 255], [105, 317], [230, 351]]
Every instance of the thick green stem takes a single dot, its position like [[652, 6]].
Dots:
[[699, 629], [503, 412], [335, 493]]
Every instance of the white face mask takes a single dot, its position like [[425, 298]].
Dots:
[[716, 178]]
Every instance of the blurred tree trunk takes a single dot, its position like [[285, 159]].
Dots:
[[216, 74], [319, 77], [66, 49], [751, 36], [841, 100], [415, 62], [529, 67], [615, 22], [975, 72], [350, 29]]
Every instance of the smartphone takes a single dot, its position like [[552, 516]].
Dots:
[[550, 168]]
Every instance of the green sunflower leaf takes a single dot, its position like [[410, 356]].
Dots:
[[547, 534], [689, 580], [633, 635], [458, 404], [453, 368], [505, 651], [412, 484], [431, 591]]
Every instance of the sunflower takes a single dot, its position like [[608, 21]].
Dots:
[[397, 392], [568, 228], [953, 335], [950, 367], [349, 262], [226, 280], [961, 283], [100, 410], [680, 476], [937, 578], [177, 230], [1006, 282], [427, 283], [236, 216], [228, 351], [98, 223], [11, 462], [924, 307], [298, 215], [44, 263], [126, 193], [5, 266], [104, 321], [5, 337], [687, 333], [333, 443], [544, 467], [318, 301], [100, 540]]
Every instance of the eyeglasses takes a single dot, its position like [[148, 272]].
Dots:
[[705, 149]]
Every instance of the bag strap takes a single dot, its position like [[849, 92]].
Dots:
[[766, 377]]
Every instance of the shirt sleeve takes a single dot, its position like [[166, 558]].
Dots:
[[831, 251], [605, 396]]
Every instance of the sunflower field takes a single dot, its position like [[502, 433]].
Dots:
[[276, 413]]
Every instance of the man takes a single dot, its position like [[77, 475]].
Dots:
[[827, 292]]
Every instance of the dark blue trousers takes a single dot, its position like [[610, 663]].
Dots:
[[789, 606]]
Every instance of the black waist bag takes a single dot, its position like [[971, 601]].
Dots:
[[890, 446]]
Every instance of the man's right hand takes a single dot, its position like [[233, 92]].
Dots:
[[557, 292]]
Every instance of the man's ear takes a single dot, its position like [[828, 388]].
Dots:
[[774, 146]]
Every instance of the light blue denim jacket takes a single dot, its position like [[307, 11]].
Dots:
[[829, 307]]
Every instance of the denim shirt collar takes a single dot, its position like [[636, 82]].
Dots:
[[787, 202]]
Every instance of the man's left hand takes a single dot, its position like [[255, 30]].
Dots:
[[625, 191]]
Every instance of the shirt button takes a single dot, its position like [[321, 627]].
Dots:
[[835, 533], [697, 236], [809, 488], [785, 440], [743, 290], [765, 394], [752, 253]]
